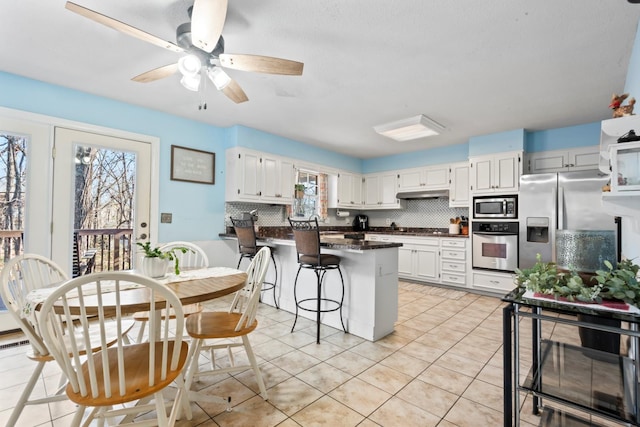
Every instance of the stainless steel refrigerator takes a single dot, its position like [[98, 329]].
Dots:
[[563, 212]]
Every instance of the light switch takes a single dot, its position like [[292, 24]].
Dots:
[[165, 218]]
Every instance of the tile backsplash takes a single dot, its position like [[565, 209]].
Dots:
[[423, 213]]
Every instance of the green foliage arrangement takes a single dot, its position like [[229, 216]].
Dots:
[[620, 283], [170, 254]]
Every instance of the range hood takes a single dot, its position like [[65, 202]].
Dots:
[[422, 194]]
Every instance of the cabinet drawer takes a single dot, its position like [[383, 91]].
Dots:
[[454, 243], [457, 279], [453, 254], [453, 266], [493, 282]]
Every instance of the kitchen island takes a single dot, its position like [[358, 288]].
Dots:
[[370, 271]]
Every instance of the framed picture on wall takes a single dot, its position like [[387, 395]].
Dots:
[[191, 165]]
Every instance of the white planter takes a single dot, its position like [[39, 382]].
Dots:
[[155, 267]]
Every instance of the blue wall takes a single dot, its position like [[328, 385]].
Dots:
[[454, 153], [512, 140], [254, 139], [567, 137]]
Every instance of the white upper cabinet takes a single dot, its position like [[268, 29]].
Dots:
[[459, 184], [431, 178], [349, 190], [495, 173], [243, 175], [258, 177], [380, 191], [278, 175], [575, 159]]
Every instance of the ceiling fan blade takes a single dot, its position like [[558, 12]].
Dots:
[[122, 27], [156, 74], [207, 20], [234, 92], [261, 64]]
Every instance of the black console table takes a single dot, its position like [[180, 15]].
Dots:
[[593, 382]]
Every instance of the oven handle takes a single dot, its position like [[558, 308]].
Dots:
[[494, 234]]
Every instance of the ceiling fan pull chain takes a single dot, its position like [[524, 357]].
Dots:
[[201, 91]]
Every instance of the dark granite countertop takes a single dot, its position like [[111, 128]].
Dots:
[[329, 243], [352, 239]]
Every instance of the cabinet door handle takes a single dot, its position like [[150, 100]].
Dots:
[[495, 282]]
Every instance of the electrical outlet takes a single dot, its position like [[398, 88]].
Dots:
[[346, 221], [388, 221]]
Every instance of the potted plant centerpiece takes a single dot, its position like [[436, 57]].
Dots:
[[156, 261], [614, 286], [299, 191]]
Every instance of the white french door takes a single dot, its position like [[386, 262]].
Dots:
[[24, 164], [124, 186]]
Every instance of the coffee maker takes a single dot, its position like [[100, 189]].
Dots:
[[361, 223]]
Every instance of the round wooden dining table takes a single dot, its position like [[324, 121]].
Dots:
[[191, 291]]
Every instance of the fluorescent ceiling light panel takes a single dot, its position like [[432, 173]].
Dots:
[[411, 128]]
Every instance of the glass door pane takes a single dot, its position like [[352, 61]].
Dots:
[[101, 200]]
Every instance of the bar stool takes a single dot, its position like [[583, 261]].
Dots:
[[248, 248], [307, 236]]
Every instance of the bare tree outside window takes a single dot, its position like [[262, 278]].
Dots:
[[104, 194], [13, 165]]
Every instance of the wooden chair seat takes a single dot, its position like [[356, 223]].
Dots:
[[137, 375], [121, 373], [217, 324], [239, 321], [143, 316]]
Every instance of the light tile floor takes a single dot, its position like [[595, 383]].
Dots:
[[441, 367]]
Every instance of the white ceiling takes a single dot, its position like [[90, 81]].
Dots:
[[477, 67]]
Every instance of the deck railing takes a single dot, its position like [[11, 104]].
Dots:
[[114, 247]]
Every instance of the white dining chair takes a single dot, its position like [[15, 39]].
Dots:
[[195, 257], [120, 373], [238, 322], [20, 276]]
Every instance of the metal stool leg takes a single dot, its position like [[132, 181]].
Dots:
[[275, 281], [319, 277], [295, 296], [342, 299]]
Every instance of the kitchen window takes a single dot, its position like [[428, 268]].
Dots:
[[311, 195]]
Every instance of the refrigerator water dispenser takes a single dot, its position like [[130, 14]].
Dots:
[[538, 229]]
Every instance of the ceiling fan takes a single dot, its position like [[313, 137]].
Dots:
[[203, 45]]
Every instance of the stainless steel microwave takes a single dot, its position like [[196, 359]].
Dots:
[[495, 207]]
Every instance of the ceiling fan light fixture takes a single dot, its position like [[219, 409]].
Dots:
[[219, 78], [191, 82], [189, 65], [408, 129]]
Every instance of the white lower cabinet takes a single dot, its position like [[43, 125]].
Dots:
[[430, 259], [453, 261], [490, 281], [419, 261]]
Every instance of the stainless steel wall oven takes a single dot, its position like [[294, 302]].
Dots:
[[495, 245]]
